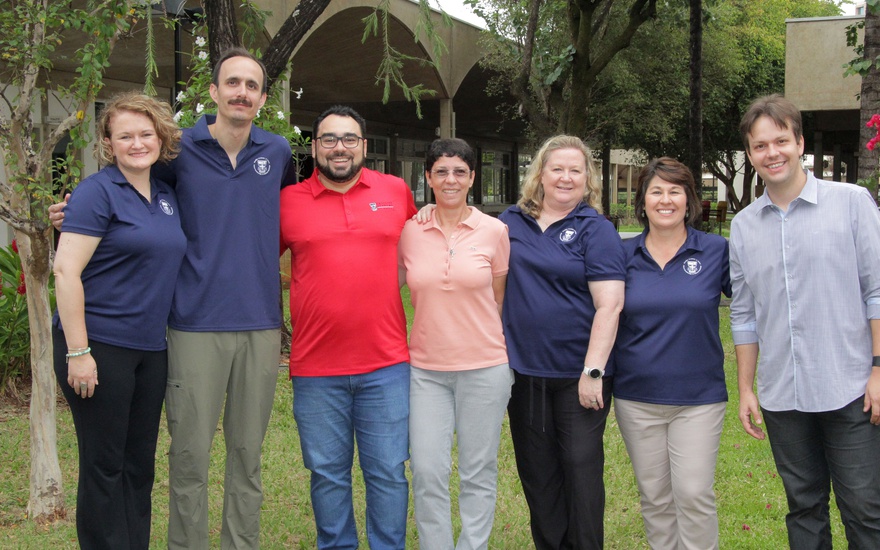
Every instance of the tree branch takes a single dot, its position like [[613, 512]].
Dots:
[[287, 38]]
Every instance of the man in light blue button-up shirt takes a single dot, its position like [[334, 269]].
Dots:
[[805, 267]]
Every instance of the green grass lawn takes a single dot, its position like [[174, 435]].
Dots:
[[751, 503]]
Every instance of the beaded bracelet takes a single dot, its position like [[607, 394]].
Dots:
[[77, 353]]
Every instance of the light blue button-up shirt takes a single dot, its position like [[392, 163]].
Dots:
[[805, 283]]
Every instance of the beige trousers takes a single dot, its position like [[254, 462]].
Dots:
[[673, 450]]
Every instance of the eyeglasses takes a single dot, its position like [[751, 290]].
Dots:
[[458, 173], [329, 141]]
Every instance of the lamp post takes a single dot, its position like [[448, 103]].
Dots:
[[179, 13]]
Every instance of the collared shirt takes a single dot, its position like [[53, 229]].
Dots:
[[129, 280], [668, 350], [805, 283], [548, 310], [456, 325], [229, 280], [345, 308]]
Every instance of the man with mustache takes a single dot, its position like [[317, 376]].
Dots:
[[349, 358], [223, 339]]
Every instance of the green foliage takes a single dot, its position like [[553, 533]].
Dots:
[[390, 71], [859, 65], [30, 32], [195, 98], [15, 347], [743, 58], [626, 214]]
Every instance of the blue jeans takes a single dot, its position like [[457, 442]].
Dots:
[[332, 412], [814, 451]]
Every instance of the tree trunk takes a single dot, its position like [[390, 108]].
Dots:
[[222, 32], [46, 502], [870, 99], [695, 119]]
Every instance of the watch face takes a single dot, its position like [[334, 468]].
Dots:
[[595, 373]]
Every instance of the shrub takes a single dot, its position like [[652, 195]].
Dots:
[[625, 213], [15, 341]]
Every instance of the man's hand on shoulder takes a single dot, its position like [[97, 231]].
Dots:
[[56, 212]]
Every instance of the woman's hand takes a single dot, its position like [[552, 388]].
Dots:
[[590, 392], [82, 375]]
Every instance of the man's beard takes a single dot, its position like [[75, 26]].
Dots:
[[339, 176]]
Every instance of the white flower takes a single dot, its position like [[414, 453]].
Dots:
[[299, 92], [200, 41], [181, 95], [258, 112], [296, 129], [203, 55], [200, 108], [177, 116], [280, 115]]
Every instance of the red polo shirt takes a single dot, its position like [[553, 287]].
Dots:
[[345, 307]]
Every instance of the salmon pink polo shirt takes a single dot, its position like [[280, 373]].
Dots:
[[457, 326], [345, 308]]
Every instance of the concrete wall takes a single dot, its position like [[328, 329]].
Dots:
[[815, 53]]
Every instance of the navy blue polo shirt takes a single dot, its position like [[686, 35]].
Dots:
[[668, 350], [548, 310], [129, 281], [230, 277]]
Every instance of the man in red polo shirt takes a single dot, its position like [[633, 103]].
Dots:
[[349, 358]]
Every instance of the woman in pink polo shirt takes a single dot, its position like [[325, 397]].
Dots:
[[456, 269]]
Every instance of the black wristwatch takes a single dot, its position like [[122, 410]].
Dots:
[[593, 373], [876, 361]]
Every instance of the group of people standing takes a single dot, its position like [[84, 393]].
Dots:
[[543, 312]]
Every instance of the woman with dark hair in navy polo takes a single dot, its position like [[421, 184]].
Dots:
[[565, 290], [115, 270], [669, 390]]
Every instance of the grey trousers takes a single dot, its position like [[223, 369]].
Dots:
[[470, 404]]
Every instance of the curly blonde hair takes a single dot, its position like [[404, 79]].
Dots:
[[158, 111], [532, 200]]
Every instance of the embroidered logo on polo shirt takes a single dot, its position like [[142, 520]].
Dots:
[[568, 234], [166, 207], [262, 166], [692, 266], [375, 206]]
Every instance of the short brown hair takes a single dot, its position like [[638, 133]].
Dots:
[[239, 52], [673, 171], [158, 111], [532, 200], [780, 110]]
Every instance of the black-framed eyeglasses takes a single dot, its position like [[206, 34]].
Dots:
[[458, 173], [329, 141]]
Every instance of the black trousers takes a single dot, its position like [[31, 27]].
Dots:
[[815, 452], [116, 432], [561, 460]]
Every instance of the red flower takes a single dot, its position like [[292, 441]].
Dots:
[[14, 246], [22, 289], [746, 527]]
